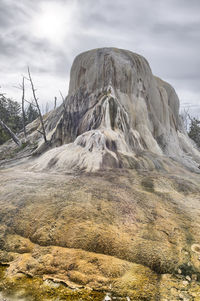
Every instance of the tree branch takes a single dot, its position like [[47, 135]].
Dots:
[[23, 109], [10, 132], [63, 99], [32, 104], [37, 105]]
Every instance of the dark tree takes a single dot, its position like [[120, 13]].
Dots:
[[11, 120], [31, 113], [194, 132]]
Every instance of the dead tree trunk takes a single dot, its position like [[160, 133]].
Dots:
[[23, 109], [10, 132], [55, 102], [63, 100], [37, 105]]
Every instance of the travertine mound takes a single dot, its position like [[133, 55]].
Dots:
[[117, 114], [121, 231]]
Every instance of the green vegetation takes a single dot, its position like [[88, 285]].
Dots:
[[194, 132], [31, 113], [10, 114]]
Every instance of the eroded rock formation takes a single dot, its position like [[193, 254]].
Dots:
[[117, 114], [128, 230]]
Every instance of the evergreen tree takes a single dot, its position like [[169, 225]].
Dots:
[[10, 114], [194, 132], [31, 113]]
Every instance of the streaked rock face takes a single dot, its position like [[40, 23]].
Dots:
[[116, 111]]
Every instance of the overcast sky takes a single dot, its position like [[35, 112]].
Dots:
[[48, 34]]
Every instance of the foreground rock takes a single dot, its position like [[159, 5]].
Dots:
[[127, 233]]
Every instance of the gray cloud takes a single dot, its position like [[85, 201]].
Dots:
[[167, 33]]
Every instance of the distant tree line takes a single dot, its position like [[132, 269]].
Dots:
[[11, 115]]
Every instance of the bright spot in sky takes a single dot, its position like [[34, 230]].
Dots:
[[54, 21]]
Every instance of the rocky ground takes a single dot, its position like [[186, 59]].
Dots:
[[130, 233]]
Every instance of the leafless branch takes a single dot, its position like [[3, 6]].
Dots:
[[26, 78], [55, 102], [10, 132], [23, 109], [30, 103], [37, 105], [63, 100], [18, 87]]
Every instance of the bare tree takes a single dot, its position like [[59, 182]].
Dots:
[[10, 132], [55, 102], [37, 105], [23, 109], [63, 100], [47, 107]]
